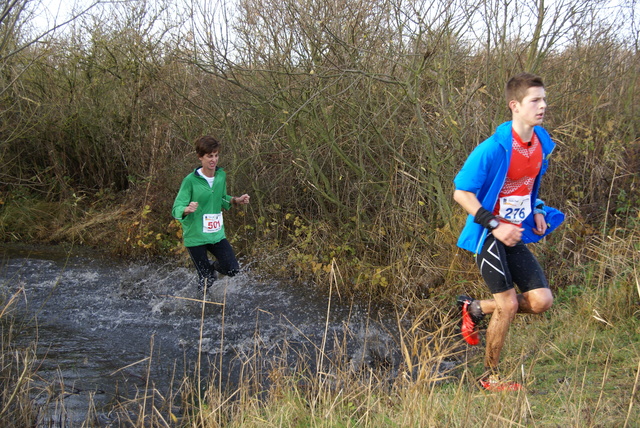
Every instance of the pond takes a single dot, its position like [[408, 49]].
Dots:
[[110, 330]]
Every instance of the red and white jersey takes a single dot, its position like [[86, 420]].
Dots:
[[514, 202]]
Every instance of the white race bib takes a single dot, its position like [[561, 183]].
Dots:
[[211, 223], [515, 208]]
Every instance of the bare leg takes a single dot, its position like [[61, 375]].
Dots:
[[505, 306], [535, 301], [532, 302]]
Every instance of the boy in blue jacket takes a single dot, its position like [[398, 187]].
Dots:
[[498, 187]]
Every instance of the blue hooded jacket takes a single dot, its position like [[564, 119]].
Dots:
[[484, 174]]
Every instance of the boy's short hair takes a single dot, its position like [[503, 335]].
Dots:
[[206, 144], [517, 86]]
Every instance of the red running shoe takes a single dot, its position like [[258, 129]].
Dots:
[[494, 383], [468, 328], [469, 323]]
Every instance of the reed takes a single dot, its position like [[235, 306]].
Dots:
[[17, 368]]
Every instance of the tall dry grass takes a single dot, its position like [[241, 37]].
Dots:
[[17, 366], [346, 122], [579, 365]]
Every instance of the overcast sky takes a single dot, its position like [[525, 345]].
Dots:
[[55, 12]]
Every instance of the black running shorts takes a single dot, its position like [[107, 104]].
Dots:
[[226, 262], [502, 267]]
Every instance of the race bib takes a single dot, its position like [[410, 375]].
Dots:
[[211, 223], [515, 208]]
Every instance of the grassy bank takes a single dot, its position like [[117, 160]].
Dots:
[[580, 363]]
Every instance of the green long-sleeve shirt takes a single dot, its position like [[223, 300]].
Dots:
[[205, 225]]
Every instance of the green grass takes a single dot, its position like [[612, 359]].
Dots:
[[576, 374], [579, 363]]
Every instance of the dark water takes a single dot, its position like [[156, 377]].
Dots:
[[110, 330]]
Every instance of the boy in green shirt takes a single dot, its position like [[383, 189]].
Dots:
[[198, 206]]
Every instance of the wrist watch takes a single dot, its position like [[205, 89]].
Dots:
[[493, 223]]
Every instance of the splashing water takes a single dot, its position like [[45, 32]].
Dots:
[[108, 329]]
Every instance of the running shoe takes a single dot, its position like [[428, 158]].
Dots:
[[469, 322], [494, 383]]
